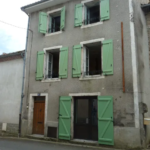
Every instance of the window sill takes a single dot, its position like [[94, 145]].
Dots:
[[51, 80], [92, 77], [91, 25], [55, 33]]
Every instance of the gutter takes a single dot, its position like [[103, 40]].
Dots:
[[22, 91]]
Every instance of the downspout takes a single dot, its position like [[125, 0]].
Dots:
[[22, 91]]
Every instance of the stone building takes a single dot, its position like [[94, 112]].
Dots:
[[87, 72]]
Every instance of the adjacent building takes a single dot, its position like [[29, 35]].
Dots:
[[87, 72], [11, 76]]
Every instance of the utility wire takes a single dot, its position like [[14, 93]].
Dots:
[[13, 25]]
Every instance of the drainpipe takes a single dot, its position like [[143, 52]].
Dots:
[[22, 91]]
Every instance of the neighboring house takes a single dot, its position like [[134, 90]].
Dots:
[[11, 68], [74, 87]]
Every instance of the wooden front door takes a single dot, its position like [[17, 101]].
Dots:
[[38, 117]]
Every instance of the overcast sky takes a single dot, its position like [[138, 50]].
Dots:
[[13, 39]]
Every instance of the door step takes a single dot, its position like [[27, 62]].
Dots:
[[36, 136]]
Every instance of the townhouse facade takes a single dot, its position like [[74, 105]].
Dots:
[[75, 86]]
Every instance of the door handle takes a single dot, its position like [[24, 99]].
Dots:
[[60, 115], [40, 122]]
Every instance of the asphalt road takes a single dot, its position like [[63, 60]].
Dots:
[[14, 144]]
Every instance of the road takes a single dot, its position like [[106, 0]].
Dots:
[[14, 144]]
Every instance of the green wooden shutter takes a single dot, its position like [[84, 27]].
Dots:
[[104, 10], [76, 68], [78, 15], [65, 118], [42, 22], [39, 67], [63, 13], [107, 57], [63, 63], [105, 120]]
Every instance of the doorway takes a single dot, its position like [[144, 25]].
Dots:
[[39, 115], [86, 118]]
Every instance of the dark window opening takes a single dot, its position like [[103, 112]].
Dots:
[[93, 59], [53, 65], [93, 14], [54, 24]]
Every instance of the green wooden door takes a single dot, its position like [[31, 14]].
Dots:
[[105, 120], [65, 118]]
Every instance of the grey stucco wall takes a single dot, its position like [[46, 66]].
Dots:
[[109, 86], [143, 61]]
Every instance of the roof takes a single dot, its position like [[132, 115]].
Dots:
[[33, 4], [12, 56], [39, 5]]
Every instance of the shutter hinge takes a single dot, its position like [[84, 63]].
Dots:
[[131, 17]]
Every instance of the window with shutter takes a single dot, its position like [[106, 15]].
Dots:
[[39, 67], [63, 63], [76, 68], [92, 11], [107, 55], [53, 21]]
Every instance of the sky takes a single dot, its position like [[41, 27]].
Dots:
[[13, 39]]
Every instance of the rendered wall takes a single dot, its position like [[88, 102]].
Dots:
[[10, 92]]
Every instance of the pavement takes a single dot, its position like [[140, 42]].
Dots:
[[26, 144]]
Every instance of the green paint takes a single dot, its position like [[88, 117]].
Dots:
[[104, 10], [42, 28], [76, 68], [40, 63], [78, 15], [65, 118], [63, 63], [63, 11], [107, 57], [105, 120]]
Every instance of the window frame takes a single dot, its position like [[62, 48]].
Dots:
[[46, 59], [83, 60], [50, 13], [84, 14]]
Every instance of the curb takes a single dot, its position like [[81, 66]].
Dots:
[[59, 143]]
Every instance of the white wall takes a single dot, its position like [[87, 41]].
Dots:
[[11, 73]]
